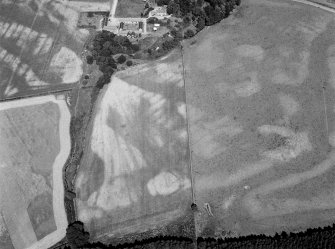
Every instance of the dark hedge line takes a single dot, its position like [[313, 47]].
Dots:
[[318, 238]]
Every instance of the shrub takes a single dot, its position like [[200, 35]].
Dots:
[[135, 47], [121, 59], [188, 34], [170, 44], [89, 59], [129, 63], [152, 20]]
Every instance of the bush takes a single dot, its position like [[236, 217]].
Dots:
[[121, 59], [135, 47], [152, 20], [170, 44], [129, 63], [89, 59], [188, 34], [173, 8]]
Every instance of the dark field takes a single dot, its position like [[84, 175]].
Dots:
[[129, 8]]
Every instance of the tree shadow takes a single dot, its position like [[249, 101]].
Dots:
[[28, 43]]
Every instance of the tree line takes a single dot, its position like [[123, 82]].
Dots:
[[313, 238], [195, 15], [200, 13]]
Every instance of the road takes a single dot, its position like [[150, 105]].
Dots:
[[113, 9]]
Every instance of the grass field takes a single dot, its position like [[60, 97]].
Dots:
[[129, 8], [260, 102], [32, 155], [260, 95], [40, 46], [134, 176]]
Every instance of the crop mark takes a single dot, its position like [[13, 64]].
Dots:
[[325, 109], [23, 45]]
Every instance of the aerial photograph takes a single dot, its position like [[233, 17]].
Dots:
[[148, 124]]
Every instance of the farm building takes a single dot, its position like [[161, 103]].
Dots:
[[159, 12]]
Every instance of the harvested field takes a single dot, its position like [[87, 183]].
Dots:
[[134, 176], [260, 98], [40, 47], [129, 8], [35, 143]]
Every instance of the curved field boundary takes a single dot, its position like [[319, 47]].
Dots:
[[65, 146], [315, 5]]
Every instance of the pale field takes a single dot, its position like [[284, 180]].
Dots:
[[35, 143], [40, 46], [260, 95], [134, 176]]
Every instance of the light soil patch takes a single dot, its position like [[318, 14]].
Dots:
[[138, 139], [167, 183], [68, 65], [260, 100], [28, 130], [289, 104]]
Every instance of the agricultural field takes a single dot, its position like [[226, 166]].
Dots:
[[134, 176], [129, 8], [40, 47], [90, 5], [260, 99], [35, 144], [255, 113]]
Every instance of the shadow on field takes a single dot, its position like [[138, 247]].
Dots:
[[31, 33]]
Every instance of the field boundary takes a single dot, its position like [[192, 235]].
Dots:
[[314, 4]]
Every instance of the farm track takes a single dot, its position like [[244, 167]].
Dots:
[[42, 94]]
